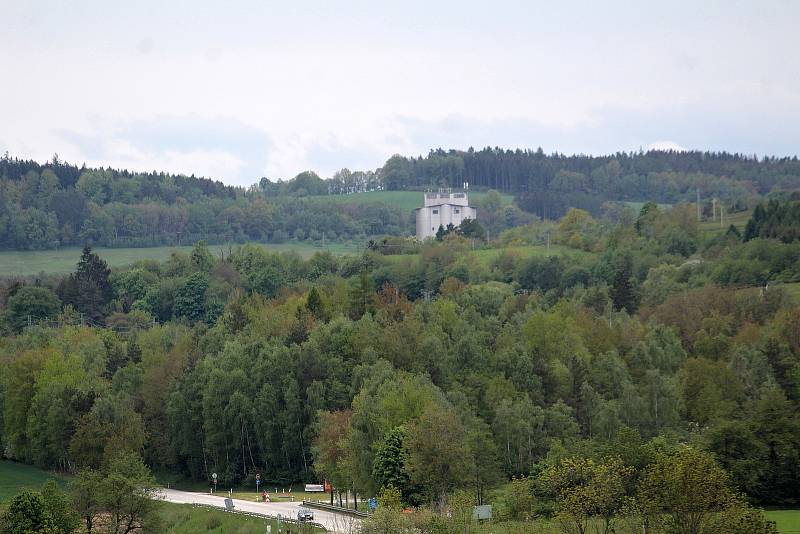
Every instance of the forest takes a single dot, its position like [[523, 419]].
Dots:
[[637, 371], [56, 204]]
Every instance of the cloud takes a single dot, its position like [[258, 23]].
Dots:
[[768, 128], [666, 146], [220, 148]]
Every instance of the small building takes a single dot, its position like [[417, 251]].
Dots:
[[443, 208]]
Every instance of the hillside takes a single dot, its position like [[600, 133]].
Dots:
[[53, 205], [601, 344], [404, 200]]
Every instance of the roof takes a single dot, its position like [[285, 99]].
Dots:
[[444, 204]]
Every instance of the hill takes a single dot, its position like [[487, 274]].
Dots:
[[404, 200], [55, 204]]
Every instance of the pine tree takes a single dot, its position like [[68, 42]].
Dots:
[[622, 291]]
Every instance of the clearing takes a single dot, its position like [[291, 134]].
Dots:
[[59, 261], [787, 521], [15, 477]]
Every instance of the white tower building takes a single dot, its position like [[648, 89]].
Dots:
[[443, 208]]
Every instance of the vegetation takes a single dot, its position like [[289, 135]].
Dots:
[[45, 206], [30, 263], [15, 477], [622, 371], [188, 519]]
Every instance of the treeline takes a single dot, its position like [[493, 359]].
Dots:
[[550, 184], [306, 183], [57, 204], [777, 219]]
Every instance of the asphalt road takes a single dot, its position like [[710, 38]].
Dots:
[[332, 521]]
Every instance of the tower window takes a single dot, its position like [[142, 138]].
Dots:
[[435, 212], [456, 210]]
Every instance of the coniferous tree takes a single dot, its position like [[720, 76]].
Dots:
[[622, 290], [88, 290]]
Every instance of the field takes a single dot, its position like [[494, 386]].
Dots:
[[788, 521], [30, 262], [738, 219], [15, 477], [405, 200], [792, 289]]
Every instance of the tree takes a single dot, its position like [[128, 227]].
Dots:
[[471, 228], [65, 519], [86, 493], [89, 289], [128, 492], [586, 492], [314, 304], [516, 502], [190, 298], [202, 260], [32, 303], [27, 514], [438, 465], [362, 296], [388, 467], [330, 448], [623, 286], [688, 486]]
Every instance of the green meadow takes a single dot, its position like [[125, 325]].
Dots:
[[59, 261]]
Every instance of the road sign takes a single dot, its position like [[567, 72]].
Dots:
[[372, 503], [482, 512], [214, 476]]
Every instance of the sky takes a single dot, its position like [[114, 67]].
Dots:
[[240, 90]]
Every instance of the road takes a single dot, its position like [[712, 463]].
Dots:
[[333, 522]]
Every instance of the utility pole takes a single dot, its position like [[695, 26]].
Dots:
[[713, 209], [698, 204]]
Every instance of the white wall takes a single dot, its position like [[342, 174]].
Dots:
[[430, 217]]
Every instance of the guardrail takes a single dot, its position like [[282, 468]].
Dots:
[[334, 508]]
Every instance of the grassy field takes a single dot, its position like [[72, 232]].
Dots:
[[15, 477], [637, 206], [792, 289], [787, 521], [739, 220], [63, 260], [485, 256], [188, 519], [405, 200]]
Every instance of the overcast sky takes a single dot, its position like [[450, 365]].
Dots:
[[237, 90]]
